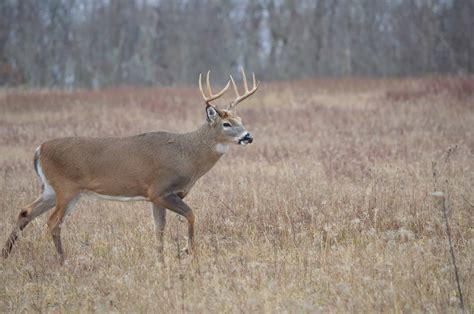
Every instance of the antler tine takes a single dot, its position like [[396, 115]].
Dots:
[[247, 92], [208, 83], [200, 87], [211, 96], [244, 78], [236, 90]]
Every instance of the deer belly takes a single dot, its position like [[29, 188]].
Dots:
[[115, 198]]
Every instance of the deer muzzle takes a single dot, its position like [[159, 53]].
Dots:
[[246, 139]]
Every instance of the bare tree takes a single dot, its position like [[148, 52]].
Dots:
[[167, 42]]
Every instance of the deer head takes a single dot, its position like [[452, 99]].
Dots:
[[225, 122]]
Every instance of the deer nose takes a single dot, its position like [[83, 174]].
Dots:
[[247, 138]]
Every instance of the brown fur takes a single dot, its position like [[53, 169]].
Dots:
[[158, 166], [147, 165]]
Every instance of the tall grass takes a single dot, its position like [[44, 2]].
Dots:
[[328, 210]]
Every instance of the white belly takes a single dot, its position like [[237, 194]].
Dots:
[[115, 198]]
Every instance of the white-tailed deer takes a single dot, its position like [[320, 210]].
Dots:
[[157, 167]]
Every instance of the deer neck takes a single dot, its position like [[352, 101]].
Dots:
[[205, 149]]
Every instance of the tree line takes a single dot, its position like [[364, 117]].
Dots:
[[97, 43]]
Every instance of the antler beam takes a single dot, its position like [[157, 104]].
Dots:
[[247, 92], [211, 96]]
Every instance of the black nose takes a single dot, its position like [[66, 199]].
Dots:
[[248, 138]]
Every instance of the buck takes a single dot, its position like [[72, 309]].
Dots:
[[157, 167]]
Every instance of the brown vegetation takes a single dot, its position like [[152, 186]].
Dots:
[[328, 210]]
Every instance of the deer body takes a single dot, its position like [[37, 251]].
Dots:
[[167, 163], [157, 167]]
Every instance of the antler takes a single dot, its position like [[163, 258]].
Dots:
[[247, 93], [211, 95]]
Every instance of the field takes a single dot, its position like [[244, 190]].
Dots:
[[328, 210]]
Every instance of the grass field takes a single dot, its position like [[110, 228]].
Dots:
[[328, 210]]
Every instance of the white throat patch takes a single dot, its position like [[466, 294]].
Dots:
[[222, 148]]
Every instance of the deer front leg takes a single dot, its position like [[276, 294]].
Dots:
[[176, 204], [159, 214]]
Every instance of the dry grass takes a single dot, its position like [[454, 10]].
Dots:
[[328, 210]]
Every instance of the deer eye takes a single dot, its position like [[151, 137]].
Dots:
[[226, 125]]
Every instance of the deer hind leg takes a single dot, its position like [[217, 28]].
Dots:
[[176, 204], [42, 204], [64, 205]]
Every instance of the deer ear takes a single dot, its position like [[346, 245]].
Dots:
[[211, 114]]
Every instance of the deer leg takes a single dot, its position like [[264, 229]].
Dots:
[[64, 205], [41, 205], [159, 214], [175, 204]]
